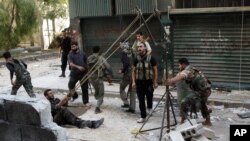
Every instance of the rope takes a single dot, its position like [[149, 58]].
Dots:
[[241, 40], [94, 68], [91, 71], [88, 75]]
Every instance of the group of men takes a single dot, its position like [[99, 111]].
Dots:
[[139, 69]]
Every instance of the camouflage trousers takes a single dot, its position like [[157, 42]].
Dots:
[[126, 81], [26, 82], [97, 83], [64, 116], [196, 100]]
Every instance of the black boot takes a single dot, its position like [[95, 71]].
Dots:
[[97, 110], [81, 123], [98, 123], [62, 75]]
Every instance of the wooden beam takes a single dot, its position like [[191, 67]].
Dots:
[[208, 10]]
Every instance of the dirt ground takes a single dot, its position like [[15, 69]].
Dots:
[[118, 124]]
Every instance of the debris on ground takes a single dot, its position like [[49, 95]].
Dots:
[[244, 115]]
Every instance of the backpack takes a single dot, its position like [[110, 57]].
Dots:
[[199, 82], [104, 68], [92, 60]]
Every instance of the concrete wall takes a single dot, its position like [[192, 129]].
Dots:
[[27, 119]]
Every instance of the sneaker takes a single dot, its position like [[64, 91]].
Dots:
[[141, 120], [130, 110], [97, 110], [125, 106], [98, 123]]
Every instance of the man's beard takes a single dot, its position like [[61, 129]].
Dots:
[[74, 50]]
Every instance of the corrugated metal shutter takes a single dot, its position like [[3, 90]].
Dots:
[[162, 5], [213, 44], [72, 9], [90, 8], [124, 7]]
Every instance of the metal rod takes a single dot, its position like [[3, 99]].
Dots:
[[154, 128], [163, 118], [150, 114], [146, 25]]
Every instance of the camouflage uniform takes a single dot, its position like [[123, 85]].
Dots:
[[96, 78], [201, 91], [127, 81], [63, 116], [22, 77]]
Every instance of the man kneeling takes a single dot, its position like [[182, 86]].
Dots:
[[62, 115]]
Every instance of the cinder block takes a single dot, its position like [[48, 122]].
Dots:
[[186, 124], [22, 113], [210, 134], [173, 136], [9, 132], [199, 138], [192, 131], [195, 130]]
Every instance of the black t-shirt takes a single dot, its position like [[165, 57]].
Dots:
[[66, 45], [53, 103]]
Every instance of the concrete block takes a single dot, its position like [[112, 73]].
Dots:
[[173, 136], [22, 113], [32, 133], [187, 130], [209, 133], [9, 132], [199, 138], [192, 131], [38, 108], [2, 110]]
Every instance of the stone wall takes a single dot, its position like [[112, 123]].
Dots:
[[27, 119]]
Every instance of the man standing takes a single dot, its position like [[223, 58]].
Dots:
[[22, 75], [97, 65], [144, 78], [64, 51], [126, 58], [140, 39], [200, 86], [78, 64], [62, 115]]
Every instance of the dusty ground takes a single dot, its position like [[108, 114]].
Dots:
[[118, 124]]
